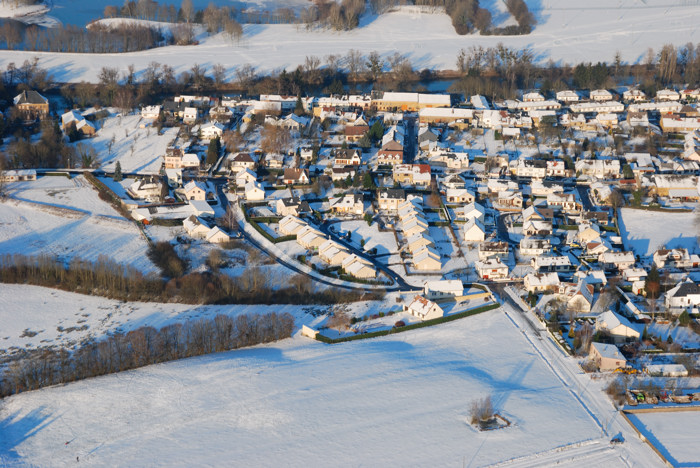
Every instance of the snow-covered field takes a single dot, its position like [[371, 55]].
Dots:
[[42, 222], [137, 149], [395, 401], [568, 32], [673, 433], [75, 193], [646, 231]]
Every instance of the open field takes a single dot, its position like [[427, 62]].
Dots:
[[400, 400], [644, 232], [674, 434], [568, 32]]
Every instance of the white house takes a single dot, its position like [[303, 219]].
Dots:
[[536, 282], [423, 308], [217, 236], [618, 327], [254, 191], [211, 130], [195, 228], [491, 269], [441, 289], [189, 115], [150, 112], [195, 190], [606, 356], [245, 177], [474, 231], [684, 296]]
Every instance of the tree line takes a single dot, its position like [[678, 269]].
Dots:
[[107, 278], [141, 347]]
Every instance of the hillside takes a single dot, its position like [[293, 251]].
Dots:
[[566, 32]]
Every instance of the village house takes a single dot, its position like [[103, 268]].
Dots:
[[442, 289], [359, 267], [616, 260], [427, 259], [211, 130], [544, 264], [390, 199], [474, 231], [600, 168], [18, 175], [351, 203], [195, 228], [675, 258], [417, 242], [567, 96], [332, 253], [678, 124], [291, 225], [310, 238], [459, 195], [616, 326], [217, 236], [633, 95], [189, 115], [151, 112], [539, 282], [296, 176], [491, 269], [147, 188], [410, 102], [292, 206], [684, 296], [496, 249], [347, 157], [242, 161], [31, 105], [535, 228], [472, 211], [356, 130], [195, 190], [606, 357], [532, 168], [667, 95], [600, 95], [530, 246], [244, 177], [444, 115], [423, 308], [412, 174], [254, 191]]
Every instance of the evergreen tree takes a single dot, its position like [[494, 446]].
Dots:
[[213, 151], [299, 107], [118, 172]]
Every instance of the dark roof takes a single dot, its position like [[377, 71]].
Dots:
[[393, 193], [687, 288], [30, 97]]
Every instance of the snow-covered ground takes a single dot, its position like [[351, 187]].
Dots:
[[673, 433], [644, 232], [568, 32], [137, 149], [401, 400], [74, 193], [33, 228]]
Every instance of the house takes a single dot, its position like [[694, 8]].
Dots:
[[567, 96], [533, 97], [427, 259], [412, 174], [493, 250], [195, 228], [242, 161], [554, 263], [417, 242], [618, 327], [675, 123], [579, 298], [491, 269], [600, 95], [151, 112], [254, 191], [17, 175], [667, 95], [414, 225], [31, 105], [411, 102], [537, 228], [344, 173], [474, 231], [350, 203], [211, 130], [509, 201], [533, 168], [423, 308], [217, 236], [189, 115], [600, 168], [244, 177], [332, 253], [530, 246], [148, 188], [195, 190], [606, 357], [296, 176], [292, 206], [174, 177], [567, 202], [359, 267], [356, 130], [175, 158], [675, 258], [587, 233], [310, 238], [633, 95], [294, 122], [441, 289], [538, 282], [459, 195], [616, 260], [347, 157], [390, 199], [676, 185], [291, 225], [444, 115], [472, 211], [684, 296]]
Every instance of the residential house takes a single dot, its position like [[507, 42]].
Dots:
[[533, 227], [412, 174], [254, 191], [530, 246], [618, 327], [579, 298], [347, 157], [667, 95], [217, 236], [292, 206], [189, 115], [174, 177], [350, 203], [147, 188], [31, 105], [423, 308], [606, 357], [195, 190], [242, 161], [495, 249], [296, 176], [211, 130], [359, 267], [633, 95], [356, 130], [616, 260], [195, 228], [445, 115], [677, 124], [472, 211], [474, 231], [509, 201], [332, 253], [675, 258], [151, 112], [600, 168], [567, 202], [310, 238], [245, 177], [459, 195], [17, 175], [442, 289], [552, 264], [567, 96], [539, 282], [390, 199], [601, 95], [534, 168], [491, 269], [684, 296], [291, 225]]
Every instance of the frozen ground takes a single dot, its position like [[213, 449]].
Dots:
[[644, 232], [568, 32], [394, 401], [75, 193], [137, 149], [673, 433], [34, 229]]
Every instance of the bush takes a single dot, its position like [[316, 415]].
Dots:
[[616, 390], [166, 259], [481, 410]]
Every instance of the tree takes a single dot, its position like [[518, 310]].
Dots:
[[187, 10], [299, 107], [117, 177], [368, 218], [374, 65], [213, 151], [616, 199], [367, 182], [652, 283]]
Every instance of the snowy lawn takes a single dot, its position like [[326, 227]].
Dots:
[[32, 229], [300, 402], [673, 433], [74, 194], [384, 242], [644, 232], [137, 149]]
